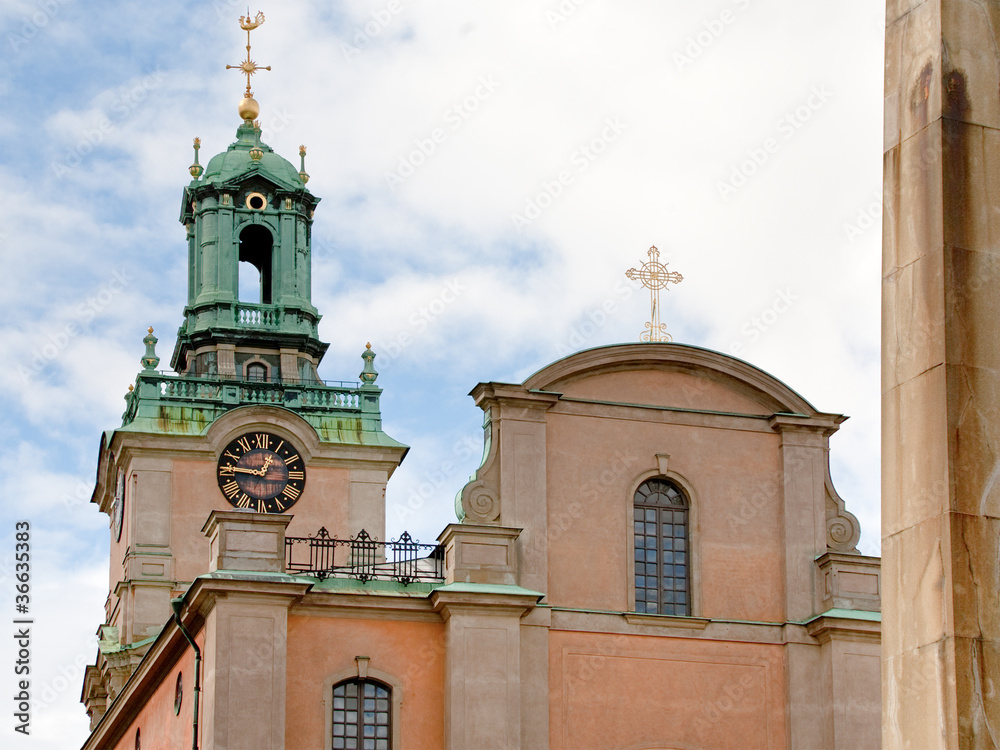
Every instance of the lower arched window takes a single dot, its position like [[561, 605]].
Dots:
[[361, 715], [662, 552]]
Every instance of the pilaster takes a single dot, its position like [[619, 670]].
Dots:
[[804, 450], [483, 690]]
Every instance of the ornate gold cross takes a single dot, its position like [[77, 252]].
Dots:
[[654, 276], [248, 66]]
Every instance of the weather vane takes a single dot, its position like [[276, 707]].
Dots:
[[248, 66], [654, 276]]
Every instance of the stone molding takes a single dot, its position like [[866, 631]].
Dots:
[[826, 628], [246, 541], [479, 502], [761, 387], [850, 581], [362, 669], [843, 530], [480, 554]]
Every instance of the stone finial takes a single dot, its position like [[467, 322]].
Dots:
[[369, 373], [196, 169], [149, 359]]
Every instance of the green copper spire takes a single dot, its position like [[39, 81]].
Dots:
[[260, 347], [249, 206]]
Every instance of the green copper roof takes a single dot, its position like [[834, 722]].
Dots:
[[462, 587], [236, 162], [848, 614]]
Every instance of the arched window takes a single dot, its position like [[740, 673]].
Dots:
[[257, 372], [662, 553], [361, 715]]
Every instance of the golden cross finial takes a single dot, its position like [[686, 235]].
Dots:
[[654, 276], [248, 66]]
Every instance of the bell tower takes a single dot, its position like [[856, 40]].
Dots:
[[249, 206], [243, 422]]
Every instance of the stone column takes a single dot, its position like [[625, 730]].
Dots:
[[941, 376]]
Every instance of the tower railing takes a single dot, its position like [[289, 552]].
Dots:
[[257, 316], [226, 392], [364, 558]]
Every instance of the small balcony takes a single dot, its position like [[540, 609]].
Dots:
[[364, 558]]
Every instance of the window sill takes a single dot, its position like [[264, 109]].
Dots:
[[670, 621]]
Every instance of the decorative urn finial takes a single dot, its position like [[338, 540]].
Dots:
[[303, 175], [149, 359], [368, 374], [196, 169]]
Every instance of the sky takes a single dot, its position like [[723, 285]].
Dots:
[[488, 173]]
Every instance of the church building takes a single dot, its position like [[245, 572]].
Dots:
[[652, 554]]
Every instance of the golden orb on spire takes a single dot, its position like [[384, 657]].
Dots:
[[248, 108]]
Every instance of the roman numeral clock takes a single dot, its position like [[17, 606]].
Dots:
[[262, 472]]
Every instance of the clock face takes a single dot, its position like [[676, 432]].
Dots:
[[262, 472], [118, 509]]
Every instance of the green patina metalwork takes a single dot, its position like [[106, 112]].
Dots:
[[247, 192], [177, 405], [250, 204]]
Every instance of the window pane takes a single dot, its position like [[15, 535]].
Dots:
[[661, 564]]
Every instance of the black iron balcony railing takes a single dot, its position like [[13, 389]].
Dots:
[[364, 558]]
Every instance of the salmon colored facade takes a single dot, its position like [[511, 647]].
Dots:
[[532, 636], [651, 556]]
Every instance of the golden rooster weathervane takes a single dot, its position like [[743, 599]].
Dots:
[[654, 276], [248, 66]]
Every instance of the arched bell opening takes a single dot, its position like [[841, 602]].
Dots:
[[256, 244]]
